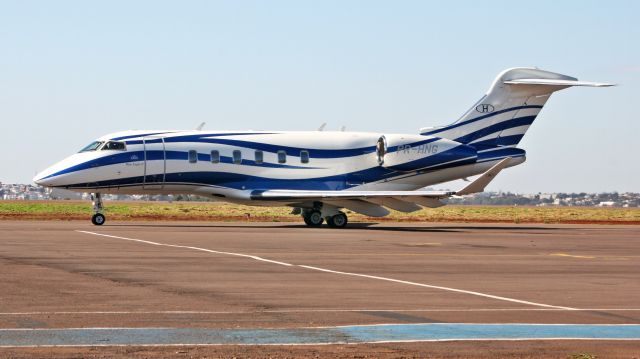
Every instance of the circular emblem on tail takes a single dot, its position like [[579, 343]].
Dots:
[[484, 108]]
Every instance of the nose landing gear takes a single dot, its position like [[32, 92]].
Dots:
[[98, 218]]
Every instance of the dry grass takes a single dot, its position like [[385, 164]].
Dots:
[[213, 211]]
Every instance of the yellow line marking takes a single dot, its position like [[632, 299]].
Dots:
[[423, 244], [570, 255]]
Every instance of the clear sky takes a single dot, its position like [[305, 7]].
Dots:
[[73, 71]]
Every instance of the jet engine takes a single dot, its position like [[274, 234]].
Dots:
[[408, 153]]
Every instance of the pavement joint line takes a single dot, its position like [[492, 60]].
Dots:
[[399, 310], [305, 344], [479, 294]]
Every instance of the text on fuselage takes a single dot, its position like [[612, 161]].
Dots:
[[420, 149]]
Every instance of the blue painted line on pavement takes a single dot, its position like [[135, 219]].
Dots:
[[324, 335]]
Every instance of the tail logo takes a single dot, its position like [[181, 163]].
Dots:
[[485, 108]]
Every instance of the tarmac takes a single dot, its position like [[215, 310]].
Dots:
[[285, 290]]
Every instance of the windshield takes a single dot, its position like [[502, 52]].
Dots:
[[92, 146], [113, 145]]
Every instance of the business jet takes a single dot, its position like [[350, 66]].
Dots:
[[319, 173]]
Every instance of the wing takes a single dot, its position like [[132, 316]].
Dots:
[[372, 203]]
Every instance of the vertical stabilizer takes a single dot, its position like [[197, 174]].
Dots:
[[503, 115]]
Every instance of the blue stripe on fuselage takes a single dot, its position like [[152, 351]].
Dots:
[[154, 155], [242, 181], [171, 132], [501, 126], [289, 150], [458, 124]]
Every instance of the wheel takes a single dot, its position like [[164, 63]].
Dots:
[[98, 219], [337, 221], [313, 218]]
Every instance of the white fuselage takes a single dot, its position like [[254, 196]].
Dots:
[[164, 162]]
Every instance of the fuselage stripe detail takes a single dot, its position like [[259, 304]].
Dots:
[[458, 124]]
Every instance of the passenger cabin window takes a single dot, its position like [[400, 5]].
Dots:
[[282, 156], [259, 157], [304, 156], [215, 156], [237, 157], [114, 146], [193, 156], [92, 146]]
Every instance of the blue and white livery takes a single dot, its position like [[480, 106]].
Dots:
[[319, 173]]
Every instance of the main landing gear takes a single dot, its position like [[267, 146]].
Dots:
[[313, 218], [337, 220], [98, 218]]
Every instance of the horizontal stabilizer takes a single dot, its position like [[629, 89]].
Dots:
[[481, 182], [556, 82]]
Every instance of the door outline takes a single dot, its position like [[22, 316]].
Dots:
[[146, 186]]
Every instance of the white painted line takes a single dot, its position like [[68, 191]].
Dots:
[[439, 287], [338, 272], [180, 312], [189, 247]]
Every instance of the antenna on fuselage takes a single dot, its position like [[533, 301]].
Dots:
[[321, 128], [201, 126]]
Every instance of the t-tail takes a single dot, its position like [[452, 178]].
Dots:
[[503, 115]]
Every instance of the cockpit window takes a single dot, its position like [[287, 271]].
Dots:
[[92, 146], [114, 145]]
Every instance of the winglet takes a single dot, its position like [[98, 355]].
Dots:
[[481, 182]]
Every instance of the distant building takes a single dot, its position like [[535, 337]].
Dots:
[[607, 204]]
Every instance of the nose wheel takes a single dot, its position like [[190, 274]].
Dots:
[[98, 218]]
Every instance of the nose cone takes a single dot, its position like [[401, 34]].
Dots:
[[38, 179], [45, 179], [60, 174]]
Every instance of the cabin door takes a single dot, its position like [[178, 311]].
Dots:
[[155, 163]]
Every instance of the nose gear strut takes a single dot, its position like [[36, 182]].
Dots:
[[98, 218]]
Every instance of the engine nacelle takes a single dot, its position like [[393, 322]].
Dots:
[[415, 152]]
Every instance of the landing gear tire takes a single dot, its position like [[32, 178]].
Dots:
[[313, 218], [98, 219], [337, 221]]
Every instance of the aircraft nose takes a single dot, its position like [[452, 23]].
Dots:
[[41, 179], [50, 177]]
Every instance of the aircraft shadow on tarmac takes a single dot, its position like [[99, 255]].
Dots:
[[354, 226]]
